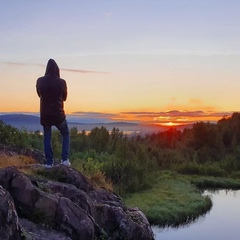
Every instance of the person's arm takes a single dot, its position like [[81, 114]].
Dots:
[[38, 89], [64, 90]]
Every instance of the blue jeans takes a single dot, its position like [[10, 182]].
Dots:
[[47, 131]]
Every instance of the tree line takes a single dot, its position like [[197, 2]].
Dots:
[[131, 163]]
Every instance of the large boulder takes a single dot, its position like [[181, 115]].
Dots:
[[71, 203]]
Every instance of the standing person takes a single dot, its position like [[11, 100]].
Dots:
[[52, 91]]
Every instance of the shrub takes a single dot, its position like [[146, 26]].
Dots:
[[235, 174], [188, 168], [208, 169], [212, 170]]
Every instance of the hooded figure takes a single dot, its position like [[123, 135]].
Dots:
[[52, 91]]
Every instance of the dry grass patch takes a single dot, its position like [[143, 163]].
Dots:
[[15, 160], [101, 181]]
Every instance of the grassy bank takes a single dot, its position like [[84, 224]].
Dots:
[[204, 182], [171, 202]]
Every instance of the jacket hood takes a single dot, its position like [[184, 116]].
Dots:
[[52, 68]]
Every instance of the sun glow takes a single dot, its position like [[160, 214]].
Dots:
[[170, 124]]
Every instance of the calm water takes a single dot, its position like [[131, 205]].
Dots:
[[221, 223]]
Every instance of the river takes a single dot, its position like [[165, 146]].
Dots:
[[222, 222]]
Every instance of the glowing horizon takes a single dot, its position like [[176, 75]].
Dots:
[[167, 119]]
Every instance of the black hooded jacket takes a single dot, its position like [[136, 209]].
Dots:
[[52, 91]]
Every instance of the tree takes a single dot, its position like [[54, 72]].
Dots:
[[99, 139], [115, 136]]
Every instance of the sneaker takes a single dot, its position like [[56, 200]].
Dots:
[[66, 163], [48, 165]]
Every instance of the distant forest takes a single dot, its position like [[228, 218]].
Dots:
[[131, 163]]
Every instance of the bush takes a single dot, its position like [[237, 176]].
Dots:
[[212, 170], [230, 164], [207, 169], [188, 168], [235, 174]]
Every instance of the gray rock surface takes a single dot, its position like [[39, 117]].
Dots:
[[33, 231]]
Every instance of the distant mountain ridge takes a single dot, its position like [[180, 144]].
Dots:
[[20, 121], [19, 117], [32, 123]]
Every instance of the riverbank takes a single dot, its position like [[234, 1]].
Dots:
[[176, 199], [221, 222]]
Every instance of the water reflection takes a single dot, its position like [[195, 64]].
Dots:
[[221, 223]]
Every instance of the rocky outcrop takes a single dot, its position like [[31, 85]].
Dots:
[[68, 203], [9, 225]]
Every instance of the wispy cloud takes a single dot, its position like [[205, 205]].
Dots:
[[81, 71], [23, 64], [44, 65], [94, 114]]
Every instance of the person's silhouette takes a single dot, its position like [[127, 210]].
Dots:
[[52, 91]]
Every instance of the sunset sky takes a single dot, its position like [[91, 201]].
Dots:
[[153, 61]]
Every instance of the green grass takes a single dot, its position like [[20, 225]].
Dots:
[[210, 182], [176, 199], [171, 202]]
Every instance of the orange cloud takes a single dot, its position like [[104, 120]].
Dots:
[[174, 117]]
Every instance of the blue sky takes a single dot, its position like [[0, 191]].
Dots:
[[148, 56]]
